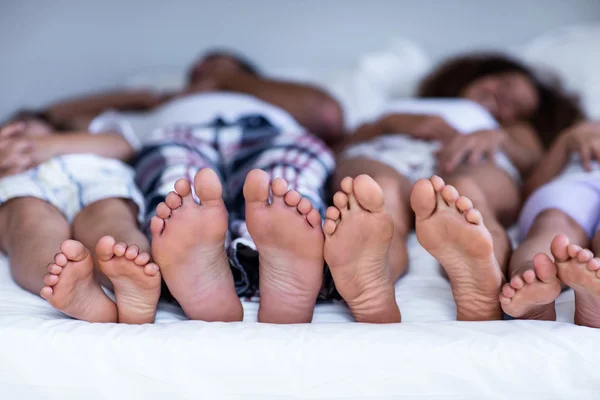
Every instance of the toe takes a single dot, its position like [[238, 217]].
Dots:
[[508, 290], [292, 198], [340, 201], [593, 264], [450, 195], [60, 259], [474, 216], [50, 279], [503, 299], [347, 185], [120, 249], [573, 250], [368, 193], [329, 227], [151, 269], [163, 211], [256, 187], [314, 218], [558, 247], [437, 183], [517, 282], [544, 267], [279, 187], [132, 252], [156, 226], [142, 259], [173, 200], [105, 248], [73, 250], [183, 187], [332, 213], [464, 204], [529, 276], [423, 198], [208, 187], [46, 292], [304, 206], [584, 256], [54, 269]]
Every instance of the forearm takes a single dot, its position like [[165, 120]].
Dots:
[[90, 106], [105, 145], [524, 158], [314, 109], [551, 165]]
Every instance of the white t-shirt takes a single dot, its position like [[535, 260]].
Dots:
[[193, 109], [463, 115]]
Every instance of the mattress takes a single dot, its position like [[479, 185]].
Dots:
[[44, 354]]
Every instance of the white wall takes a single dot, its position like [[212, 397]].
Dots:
[[52, 49]]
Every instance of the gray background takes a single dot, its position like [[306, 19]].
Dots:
[[52, 49]]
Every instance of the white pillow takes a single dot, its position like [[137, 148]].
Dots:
[[574, 53]]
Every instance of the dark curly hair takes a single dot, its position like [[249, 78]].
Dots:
[[556, 111]]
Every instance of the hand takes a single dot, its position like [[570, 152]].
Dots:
[[15, 149], [584, 139], [473, 148], [426, 127]]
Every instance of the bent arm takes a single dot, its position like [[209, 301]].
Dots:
[[313, 108], [522, 147], [550, 166]]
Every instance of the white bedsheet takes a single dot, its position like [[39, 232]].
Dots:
[[429, 356]]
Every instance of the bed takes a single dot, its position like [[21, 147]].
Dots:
[[44, 354]]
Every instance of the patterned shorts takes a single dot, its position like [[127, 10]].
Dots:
[[232, 150]]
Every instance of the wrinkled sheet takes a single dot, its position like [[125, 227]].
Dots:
[[44, 354]]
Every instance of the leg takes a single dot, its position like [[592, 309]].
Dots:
[[123, 257], [69, 284], [551, 210], [365, 238], [452, 231], [496, 196], [287, 231]]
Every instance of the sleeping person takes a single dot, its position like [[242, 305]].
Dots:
[[70, 214], [481, 122], [558, 221], [245, 215]]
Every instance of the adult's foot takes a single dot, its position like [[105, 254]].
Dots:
[[358, 232], [452, 231], [580, 270], [188, 242], [531, 294], [288, 235], [71, 288], [136, 281]]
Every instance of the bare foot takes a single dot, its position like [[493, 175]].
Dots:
[[136, 281], [452, 231], [289, 239], [578, 269], [188, 242], [72, 289], [531, 295], [358, 233]]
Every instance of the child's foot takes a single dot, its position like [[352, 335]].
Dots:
[[452, 231], [531, 295], [136, 281], [188, 242], [358, 233], [289, 239], [578, 269], [72, 289]]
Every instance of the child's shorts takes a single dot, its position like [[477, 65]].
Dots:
[[72, 182], [413, 158], [575, 194]]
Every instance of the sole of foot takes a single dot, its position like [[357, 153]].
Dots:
[[188, 242], [289, 239], [358, 233], [580, 270], [452, 231], [136, 281], [531, 294], [70, 286]]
